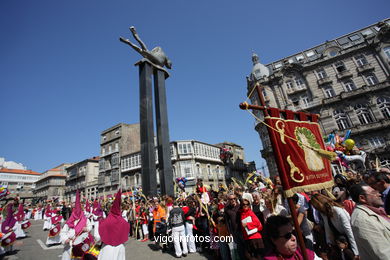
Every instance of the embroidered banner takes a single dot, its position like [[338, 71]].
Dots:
[[301, 168]]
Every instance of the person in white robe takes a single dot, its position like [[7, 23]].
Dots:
[[54, 237], [38, 213], [47, 217], [76, 227]]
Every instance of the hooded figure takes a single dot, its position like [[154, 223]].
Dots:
[[9, 221], [73, 233], [97, 212], [20, 214], [77, 219], [46, 217], [113, 232], [7, 229], [87, 209], [20, 220]]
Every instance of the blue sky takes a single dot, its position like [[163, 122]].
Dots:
[[65, 77]]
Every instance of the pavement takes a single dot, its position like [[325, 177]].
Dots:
[[33, 247]]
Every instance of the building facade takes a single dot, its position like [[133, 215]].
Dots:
[[51, 184], [18, 181], [116, 141], [82, 176], [346, 81], [193, 160]]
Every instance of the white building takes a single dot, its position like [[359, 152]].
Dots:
[[17, 180]]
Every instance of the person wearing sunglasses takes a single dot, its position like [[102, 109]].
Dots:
[[251, 227], [284, 244]]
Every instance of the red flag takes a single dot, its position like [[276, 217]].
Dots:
[[296, 145]]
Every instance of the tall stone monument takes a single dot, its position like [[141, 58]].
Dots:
[[153, 63]]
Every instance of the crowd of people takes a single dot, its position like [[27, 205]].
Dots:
[[250, 220]]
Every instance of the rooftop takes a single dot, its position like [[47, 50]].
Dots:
[[17, 171], [330, 48]]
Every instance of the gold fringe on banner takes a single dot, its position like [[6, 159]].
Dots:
[[310, 187]]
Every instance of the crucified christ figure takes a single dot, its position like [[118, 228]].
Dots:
[[155, 56]]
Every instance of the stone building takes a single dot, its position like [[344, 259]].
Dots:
[[193, 160], [346, 81], [51, 184], [116, 141], [82, 176]]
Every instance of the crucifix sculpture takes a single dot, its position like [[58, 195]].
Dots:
[[153, 62]]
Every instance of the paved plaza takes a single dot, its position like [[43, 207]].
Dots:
[[33, 247]]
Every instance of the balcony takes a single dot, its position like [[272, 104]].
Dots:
[[296, 90], [362, 129], [364, 68], [355, 93], [324, 81], [343, 74]]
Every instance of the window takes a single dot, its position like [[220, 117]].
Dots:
[[289, 85], [299, 83], [109, 148], [349, 85], [321, 74], [116, 147], [184, 148], [384, 106], [209, 170], [354, 37], [364, 114], [333, 53], [371, 79], [367, 32], [310, 53], [342, 120], [305, 101], [386, 50], [103, 151], [300, 58], [127, 163], [329, 91], [186, 169], [361, 60], [340, 67], [343, 41], [278, 65], [376, 141]]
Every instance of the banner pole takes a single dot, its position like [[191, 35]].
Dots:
[[301, 242]]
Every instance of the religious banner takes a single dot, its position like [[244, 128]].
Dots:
[[299, 148]]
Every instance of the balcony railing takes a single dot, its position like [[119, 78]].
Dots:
[[357, 92], [365, 67], [343, 74], [296, 89], [323, 81]]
